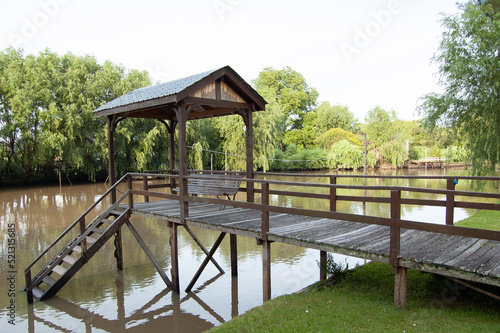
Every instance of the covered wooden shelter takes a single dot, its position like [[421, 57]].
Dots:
[[214, 93]]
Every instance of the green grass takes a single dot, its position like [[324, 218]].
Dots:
[[362, 301], [484, 219]]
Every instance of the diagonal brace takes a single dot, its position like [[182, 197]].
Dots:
[[149, 254], [204, 249], [205, 262]]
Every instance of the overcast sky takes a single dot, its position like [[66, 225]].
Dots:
[[360, 53]]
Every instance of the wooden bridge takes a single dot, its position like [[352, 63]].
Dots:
[[456, 252]]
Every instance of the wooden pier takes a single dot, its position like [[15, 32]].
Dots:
[[180, 199], [457, 252]]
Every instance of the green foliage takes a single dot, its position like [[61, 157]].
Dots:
[[334, 269], [46, 105], [288, 89], [455, 154], [336, 116], [335, 135], [388, 136], [295, 159], [469, 67]]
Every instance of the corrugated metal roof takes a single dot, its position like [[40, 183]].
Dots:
[[156, 91]]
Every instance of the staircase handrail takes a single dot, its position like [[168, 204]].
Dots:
[[77, 221]]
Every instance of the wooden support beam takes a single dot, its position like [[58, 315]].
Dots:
[[205, 262], [182, 117], [266, 270], [111, 155], [400, 283], [202, 247], [322, 265], [118, 249], [234, 297], [174, 257], [234, 254], [171, 150], [150, 255], [248, 119]]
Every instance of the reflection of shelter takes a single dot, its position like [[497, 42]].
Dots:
[[214, 93]]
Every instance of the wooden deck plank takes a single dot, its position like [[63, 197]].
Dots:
[[461, 259], [481, 257]]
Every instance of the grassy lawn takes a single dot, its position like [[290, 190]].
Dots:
[[484, 219], [361, 300]]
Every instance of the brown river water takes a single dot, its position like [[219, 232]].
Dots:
[[99, 298]]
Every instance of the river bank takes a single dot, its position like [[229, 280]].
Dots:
[[360, 300]]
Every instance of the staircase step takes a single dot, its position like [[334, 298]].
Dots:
[[90, 240], [49, 280], [69, 259], [78, 249], [59, 270], [107, 221], [38, 292], [97, 230]]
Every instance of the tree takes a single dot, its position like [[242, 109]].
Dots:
[[388, 136], [469, 67], [334, 116], [290, 91], [46, 118]]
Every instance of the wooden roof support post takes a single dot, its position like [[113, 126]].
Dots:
[[111, 154], [182, 117], [171, 150], [248, 119]]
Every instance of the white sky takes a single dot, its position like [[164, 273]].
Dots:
[[360, 53]]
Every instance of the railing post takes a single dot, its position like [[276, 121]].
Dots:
[[400, 279], [29, 292], [130, 196], [265, 211], [323, 257], [83, 244], [145, 187], [266, 245], [333, 194], [395, 232], [450, 201]]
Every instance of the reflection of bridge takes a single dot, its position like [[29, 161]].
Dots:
[[457, 252], [150, 317]]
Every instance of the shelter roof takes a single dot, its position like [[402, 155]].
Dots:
[[213, 93]]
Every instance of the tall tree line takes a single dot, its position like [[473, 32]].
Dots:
[[47, 124]]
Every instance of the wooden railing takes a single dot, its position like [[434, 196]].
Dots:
[[332, 195]]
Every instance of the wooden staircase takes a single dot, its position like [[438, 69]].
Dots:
[[76, 254]]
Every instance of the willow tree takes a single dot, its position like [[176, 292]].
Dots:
[[46, 118], [469, 67]]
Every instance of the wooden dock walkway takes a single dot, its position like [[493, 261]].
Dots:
[[457, 252], [464, 257]]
